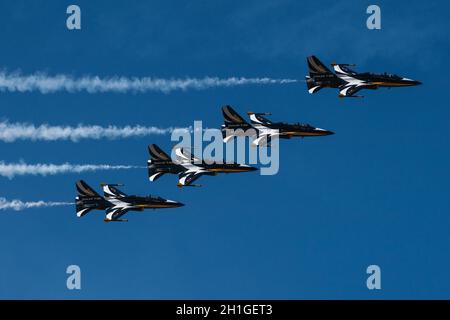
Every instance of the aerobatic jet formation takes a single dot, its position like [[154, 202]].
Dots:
[[187, 167], [115, 202], [263, 129], [348, 81]]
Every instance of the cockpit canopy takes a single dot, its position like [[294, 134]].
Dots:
[[392, 76], [298, 124], [155, 198], [387, 75]]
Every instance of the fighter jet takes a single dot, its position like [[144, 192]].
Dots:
[[187, 166], [348, 81], [263, 129], [115, 202]]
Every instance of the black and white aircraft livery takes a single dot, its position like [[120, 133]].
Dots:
[[187, 167], [115, 202], [348, 81], [235, 126]]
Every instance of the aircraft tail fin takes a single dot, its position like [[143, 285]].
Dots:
[[158, 159], [316, 67], [234, 125], [317, 71], [232, 117], [87, 199], [156, 154], [84, 190]]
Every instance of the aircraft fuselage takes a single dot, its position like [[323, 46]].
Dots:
[[137, 203]]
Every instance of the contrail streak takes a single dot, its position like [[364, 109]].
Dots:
[[11, 170], [10, 132], [15, 82], [19, 205]]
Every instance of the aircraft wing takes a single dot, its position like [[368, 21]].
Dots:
[[258, 119], [186, 178], [110, 191], [227, 136], [114, 213], [343, 69], [350, 90], [184, 156], [263, 140]]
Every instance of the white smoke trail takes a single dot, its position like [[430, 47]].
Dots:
[[49, 84], [10, 132], [19, 205], [10, 170]]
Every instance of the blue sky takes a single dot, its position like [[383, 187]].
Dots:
[[377, 192]]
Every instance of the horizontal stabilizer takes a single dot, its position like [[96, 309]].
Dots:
[[82, 209], [154, 175], [313, 87]]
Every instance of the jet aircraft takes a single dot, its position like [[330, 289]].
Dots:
[[264, 129], [187, 167], [348, 81], [115, 202]]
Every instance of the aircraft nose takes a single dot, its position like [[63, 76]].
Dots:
[[174, 204], [249, 168], [324, 132], [412, 82]]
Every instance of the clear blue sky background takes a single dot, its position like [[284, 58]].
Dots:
[[377, 192]]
